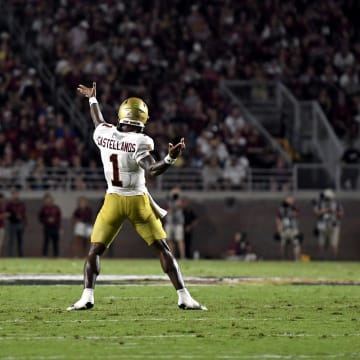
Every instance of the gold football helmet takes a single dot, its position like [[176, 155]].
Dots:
[[133, 111]]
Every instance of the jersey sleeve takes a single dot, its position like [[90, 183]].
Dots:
[[145, 145]]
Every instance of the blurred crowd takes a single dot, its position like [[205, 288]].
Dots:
[[173, 54], [33, 134]]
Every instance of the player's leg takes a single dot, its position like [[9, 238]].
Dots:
[[327, 242], [181, 246], [295, 241], [20, 239], [75, 247], [179, 237], [55, 239], [12, 239], [108, 223], [92, 265], [80, 241], [149, 227], [168, 263], [91, 272], [296, 249], [169, 229], [334, 240], [46, 240], [188, 244], [321, 243], [2, 240], [283, 241], [171, 268]]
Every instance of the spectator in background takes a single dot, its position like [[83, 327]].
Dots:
[[329, 213], [349, 80], [259, 89], [83, 225], [235, 172], [190, 222], [50, 217], [287, 228], [281, 179], [3, 216], [342, 117], [293, 45], [234, 121], [240, 248], [174, 226], [212, 174], [350, 170], [344, 58], [17, 223]]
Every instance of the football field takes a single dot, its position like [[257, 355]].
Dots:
[[263, 310]]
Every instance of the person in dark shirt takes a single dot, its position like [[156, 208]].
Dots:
[[17, 223], [350, 171], [83, 225], [190, 222], [50, 218], [3, 217], [240, 248]]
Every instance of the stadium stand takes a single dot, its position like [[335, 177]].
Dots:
[[175, 58]]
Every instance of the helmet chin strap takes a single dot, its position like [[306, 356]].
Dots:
[[131, 128], [131, 122]]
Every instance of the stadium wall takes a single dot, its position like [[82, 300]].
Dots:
[[220, 215]]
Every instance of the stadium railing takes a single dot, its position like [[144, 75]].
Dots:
[[236, 91], [303, 123], [300, 177]]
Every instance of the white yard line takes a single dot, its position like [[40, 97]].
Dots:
[[162, 336], [134, 297], [107, 338], [140, 319], [189, 356]]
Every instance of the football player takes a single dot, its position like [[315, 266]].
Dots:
[[287, 226], [126, 158], [329, 213]]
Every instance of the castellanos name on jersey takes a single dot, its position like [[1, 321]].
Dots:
[[120, 155]]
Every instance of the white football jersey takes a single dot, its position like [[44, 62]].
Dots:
[[120, 155]]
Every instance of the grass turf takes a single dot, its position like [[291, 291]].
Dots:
[[257, 321]]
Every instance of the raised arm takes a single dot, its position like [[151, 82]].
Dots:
[[155, 168], [95, 111]]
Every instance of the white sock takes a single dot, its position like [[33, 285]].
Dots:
[[88, 294], [183, 294]]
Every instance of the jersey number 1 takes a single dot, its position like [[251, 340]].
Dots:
[[116, 173]]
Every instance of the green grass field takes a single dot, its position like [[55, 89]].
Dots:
[[246, 320]]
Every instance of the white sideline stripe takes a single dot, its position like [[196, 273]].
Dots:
[[132, 278], [40, 338], [134, 297], [176, 356], [31, 338], [79, 277], [113, 320], [162, 319]]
